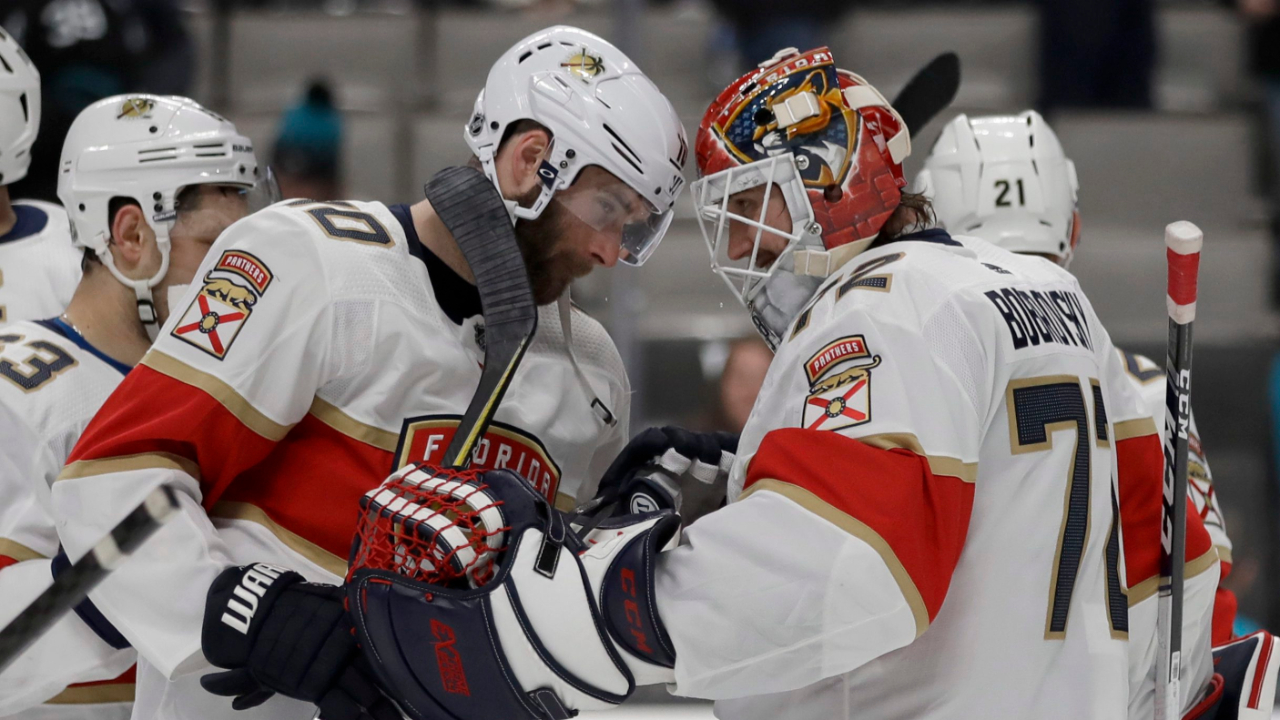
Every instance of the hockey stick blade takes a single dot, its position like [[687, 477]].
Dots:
[[929, 92], [1183, 242], [472, 209], [75, 583]]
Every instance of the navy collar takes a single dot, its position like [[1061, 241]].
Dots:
[[932, 235], [31, 220], [64, 329], [458, 298]]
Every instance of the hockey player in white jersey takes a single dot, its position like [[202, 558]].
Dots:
[[326, 344], [39, 268], [921, 516], [137, 224], [1006, 179]]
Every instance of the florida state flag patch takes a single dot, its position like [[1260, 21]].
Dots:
[[213, 320], [839, 400]]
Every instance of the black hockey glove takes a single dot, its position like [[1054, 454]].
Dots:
[[276, 633], [668, 468]]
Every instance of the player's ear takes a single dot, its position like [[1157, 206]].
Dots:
[[131, 241], [524, 152]]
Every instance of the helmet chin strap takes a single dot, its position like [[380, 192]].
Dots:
[[824, 263], [142, 288], [514, 210], [601, 410]]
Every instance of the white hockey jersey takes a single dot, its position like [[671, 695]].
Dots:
[[52, 381], [1208, 557], [923, 519], [313, 356], [39, 268]]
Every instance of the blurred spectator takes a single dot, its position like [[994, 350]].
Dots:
[[763, 27], [87, 50], [1096, 53], [744, 371], [306, 159]]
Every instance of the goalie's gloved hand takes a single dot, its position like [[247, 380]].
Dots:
[[556, 624], [664, 468], [276, 633]]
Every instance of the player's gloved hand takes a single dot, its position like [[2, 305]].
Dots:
[[664, 468], [276, 633]]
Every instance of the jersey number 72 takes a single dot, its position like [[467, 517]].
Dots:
[[1037, 407]]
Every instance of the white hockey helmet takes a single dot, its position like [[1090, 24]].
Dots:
[[1005, 179], [600, 110], [19, 109], [147, 148]]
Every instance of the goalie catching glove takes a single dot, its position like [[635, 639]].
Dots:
[[474, 599]]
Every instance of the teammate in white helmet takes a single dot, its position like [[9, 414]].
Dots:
[[152, 181], [325, 345], [920, 520], [1007, 180], [39, 268]]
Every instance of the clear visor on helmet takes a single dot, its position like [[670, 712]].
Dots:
[[608, 205], [204, 210], [265, 191]]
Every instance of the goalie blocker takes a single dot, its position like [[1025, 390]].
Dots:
[[559, 624]]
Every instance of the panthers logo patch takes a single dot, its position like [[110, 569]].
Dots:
[[213, 320], [838, 400]]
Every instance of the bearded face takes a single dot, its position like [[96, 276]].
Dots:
[[550, 254]]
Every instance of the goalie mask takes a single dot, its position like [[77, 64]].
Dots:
[[829, 144]]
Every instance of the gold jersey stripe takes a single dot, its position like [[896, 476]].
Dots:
[[125, 463], [295, 542], [94, 694], [858, 529], [18, 551], [1134, 428], [1224, 553], [330, 415], [1148, 587], [219, 390], [938, 464], [1200, 564]]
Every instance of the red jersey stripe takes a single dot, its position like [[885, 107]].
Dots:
[[1140, 464], [923, 517]]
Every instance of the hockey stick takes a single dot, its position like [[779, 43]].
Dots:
[[1183, 242], [928, 92], [73, 585], [473, 211]]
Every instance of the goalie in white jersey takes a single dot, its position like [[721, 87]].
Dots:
[[326, 344], [39, 268], [138, 225], [1006, 179], [921, 518]]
